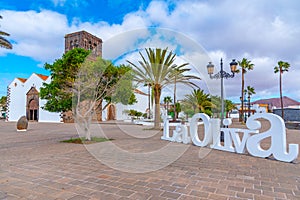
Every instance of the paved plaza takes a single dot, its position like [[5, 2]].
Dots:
[[36, 165]]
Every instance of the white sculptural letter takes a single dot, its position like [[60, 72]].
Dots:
[[166, 133], [180, 134], [231, 136], [235, 139], [194, 130], [278, 139]]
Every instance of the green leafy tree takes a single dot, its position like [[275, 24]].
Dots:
[[96, 80], [281, 68], [4, 43], [121, 88], [59, 91], [3, 101], [156, 70], [246, 66], [64, 71], [122, 83]]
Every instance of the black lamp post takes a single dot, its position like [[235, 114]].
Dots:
[[221, 75], [249, 106]]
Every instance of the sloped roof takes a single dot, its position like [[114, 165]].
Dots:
[[44, 77], [23, 80], [276, 102]]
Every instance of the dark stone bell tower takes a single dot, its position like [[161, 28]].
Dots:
[[85, 40]]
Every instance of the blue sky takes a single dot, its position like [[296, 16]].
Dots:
[[262, 31]]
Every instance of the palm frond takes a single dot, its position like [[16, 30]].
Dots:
[[5, 43]]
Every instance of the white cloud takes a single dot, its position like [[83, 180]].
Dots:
[[262, 31], [39, 35]]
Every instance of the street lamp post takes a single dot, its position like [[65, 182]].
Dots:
[[221, 75], [249, 106], [245, 103]]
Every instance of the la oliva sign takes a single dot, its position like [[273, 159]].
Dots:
[[251, 138]]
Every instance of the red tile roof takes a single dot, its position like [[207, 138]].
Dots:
[[44, 77], [276, 102], [23, 80]]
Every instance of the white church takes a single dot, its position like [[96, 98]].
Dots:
[[23, 100], [23, 93]]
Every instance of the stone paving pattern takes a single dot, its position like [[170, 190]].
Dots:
[[35, 165]]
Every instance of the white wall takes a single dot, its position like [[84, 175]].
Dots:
[[141, 106], [17, 105], [46, 116]]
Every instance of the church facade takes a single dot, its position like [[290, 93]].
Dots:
[[23, 100]]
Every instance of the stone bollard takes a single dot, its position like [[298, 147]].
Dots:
[[22, 124]]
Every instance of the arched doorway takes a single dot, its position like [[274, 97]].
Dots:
[[111, 114], [33, 110], [32, 104]]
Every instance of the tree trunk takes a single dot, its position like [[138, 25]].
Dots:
[[87, 122], [98, 110], [242, 103], [149, 113], [280, 89], [157, 93]]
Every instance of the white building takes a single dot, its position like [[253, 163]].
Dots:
[[141, 105], [23, 100]]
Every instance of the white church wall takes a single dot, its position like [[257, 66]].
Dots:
[[33, 80], [17, 104], [46, 116], [141, 106]]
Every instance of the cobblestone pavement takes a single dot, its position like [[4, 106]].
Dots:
[[36, 165]]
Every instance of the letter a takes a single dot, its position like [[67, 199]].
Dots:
[[278, 139]]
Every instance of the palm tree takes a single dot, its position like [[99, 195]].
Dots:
[[4, 43], [246, 65], [190, 102], [167, 100], [179, 77], [156, 70], [250, 91], [199, 100], [229, 106], [281, 68]]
